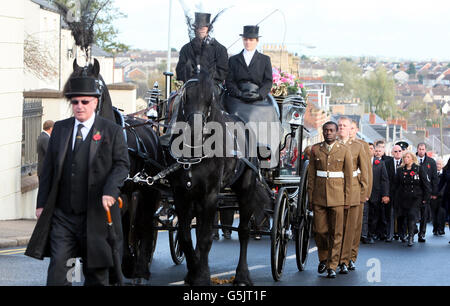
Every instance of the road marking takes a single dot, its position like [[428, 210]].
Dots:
[[13, 250], [311, 250], [12, 253], [225, 273]]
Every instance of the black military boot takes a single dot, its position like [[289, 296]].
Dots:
[[351, 265], [322, 267], [331, 273], [410, 240], [343, 269]]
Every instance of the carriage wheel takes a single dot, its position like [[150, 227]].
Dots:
[[303, 234], [174, 244], [280, 234]]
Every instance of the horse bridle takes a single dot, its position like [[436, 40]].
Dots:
[[187, 162]]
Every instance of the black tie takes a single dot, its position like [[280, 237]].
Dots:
[[421, 162], [78, 138]]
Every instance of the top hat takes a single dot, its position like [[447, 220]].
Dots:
[[251, 32], [202, 20], [403, 144], [83, 86]]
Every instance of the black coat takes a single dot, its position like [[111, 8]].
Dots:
[[380, 186], [42, 144], [214, 58], [444, 188], [412, 188], [429, 165], [258, 72], [108, 167], [390, 168]]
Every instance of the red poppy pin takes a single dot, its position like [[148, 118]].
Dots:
[[377, 162], [428, 166], [412, 173], [97, 137]]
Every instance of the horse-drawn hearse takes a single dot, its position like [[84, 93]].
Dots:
[[165, 191]]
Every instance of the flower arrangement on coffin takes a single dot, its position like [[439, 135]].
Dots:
[[285, 84]]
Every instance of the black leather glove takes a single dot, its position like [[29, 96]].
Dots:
[[251, 96]]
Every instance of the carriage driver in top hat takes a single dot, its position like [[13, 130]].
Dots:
[[202, 51], [248, 85], [205, 51]]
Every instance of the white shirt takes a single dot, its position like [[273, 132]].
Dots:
[[421, 159], [87, 125], [248, 55]]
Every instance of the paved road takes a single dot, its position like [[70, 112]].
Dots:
[[378, 264]]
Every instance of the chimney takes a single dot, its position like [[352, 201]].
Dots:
[[372, 118]]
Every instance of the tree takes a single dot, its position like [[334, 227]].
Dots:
[[380, 93], [350, 74], [411, 69]]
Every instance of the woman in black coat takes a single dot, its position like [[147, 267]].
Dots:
[[445, 183], [412, 190]]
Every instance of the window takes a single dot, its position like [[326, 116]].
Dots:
[[31, 128]]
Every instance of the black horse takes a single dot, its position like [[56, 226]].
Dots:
[[196, 187], [141, 200]]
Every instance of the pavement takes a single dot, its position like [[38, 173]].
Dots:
[[15, 233]]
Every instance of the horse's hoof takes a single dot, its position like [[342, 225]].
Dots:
[[242, 283], [140, 281]]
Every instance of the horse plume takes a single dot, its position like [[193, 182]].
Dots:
[[80, 16], [190, 21]]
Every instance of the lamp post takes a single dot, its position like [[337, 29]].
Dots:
[[169, 74], [440, 128]]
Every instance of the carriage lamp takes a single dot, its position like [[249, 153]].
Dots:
[[152, 95], [152, 113], [294, 108]]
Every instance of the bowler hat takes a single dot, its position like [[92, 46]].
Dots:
[[202, 20], [251, 32]]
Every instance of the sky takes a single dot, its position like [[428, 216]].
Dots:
[[400, 29]]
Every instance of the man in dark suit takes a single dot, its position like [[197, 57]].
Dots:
[[429, 165], [379, 197], [42, 143], [382, 145], [86, 164], [391, 168], [437, 209]]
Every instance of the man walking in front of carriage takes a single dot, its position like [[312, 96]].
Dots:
[[329, 189], [360, 179], [86, 164]]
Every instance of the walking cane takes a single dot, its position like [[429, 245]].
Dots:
[[112, 239]]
